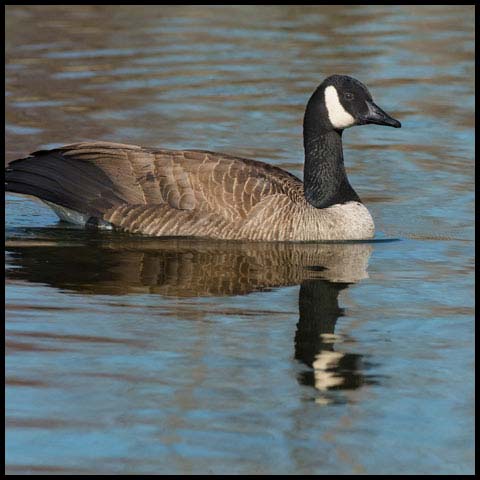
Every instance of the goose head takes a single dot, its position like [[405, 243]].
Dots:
[[342, 102]]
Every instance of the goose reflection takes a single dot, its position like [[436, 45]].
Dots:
[[190, 268], [315, 341]]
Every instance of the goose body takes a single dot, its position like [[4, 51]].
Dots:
[[198, 193]]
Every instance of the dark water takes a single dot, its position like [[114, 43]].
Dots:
[[136, 355]]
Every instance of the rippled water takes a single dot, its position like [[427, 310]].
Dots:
[[137, 355]]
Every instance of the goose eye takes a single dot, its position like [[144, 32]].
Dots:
[[349, 96]]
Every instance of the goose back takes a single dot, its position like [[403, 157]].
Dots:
[[162, 192]]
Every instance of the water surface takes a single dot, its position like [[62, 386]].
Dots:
[[137, 355]]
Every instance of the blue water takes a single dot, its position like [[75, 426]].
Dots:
[[134, 355]]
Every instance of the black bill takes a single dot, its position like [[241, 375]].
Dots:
[[376, 115]]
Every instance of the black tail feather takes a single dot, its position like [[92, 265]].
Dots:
[[78, 185]]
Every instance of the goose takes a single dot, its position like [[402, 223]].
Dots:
[[198, 193]]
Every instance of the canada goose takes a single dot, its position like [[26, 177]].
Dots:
[[205, 194]]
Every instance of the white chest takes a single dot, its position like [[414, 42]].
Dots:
[[347, 221]]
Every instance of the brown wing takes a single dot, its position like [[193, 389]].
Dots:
[[94, 178]]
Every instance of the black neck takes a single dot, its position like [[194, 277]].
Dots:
[[325, 179]]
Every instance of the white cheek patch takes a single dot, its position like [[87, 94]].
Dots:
[[337, 115]]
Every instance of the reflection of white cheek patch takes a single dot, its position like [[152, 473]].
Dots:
[[337, 115]]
